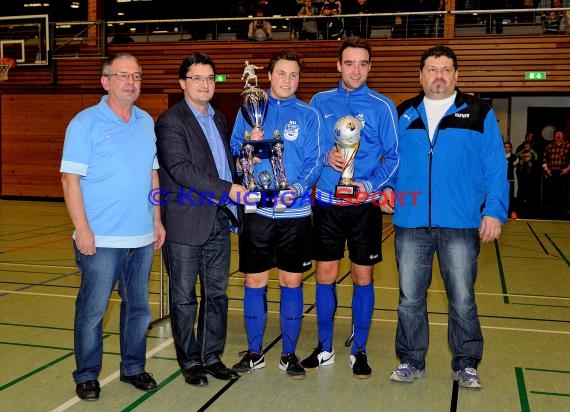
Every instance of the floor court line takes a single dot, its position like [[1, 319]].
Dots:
[[376, 287], [68, 404], [503, 328], [14, 292]]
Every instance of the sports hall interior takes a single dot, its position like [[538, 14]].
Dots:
[[523, 286]]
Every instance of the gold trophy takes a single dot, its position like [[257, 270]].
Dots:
[[347, 140]]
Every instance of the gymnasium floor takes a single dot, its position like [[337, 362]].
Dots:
[[523, 299]]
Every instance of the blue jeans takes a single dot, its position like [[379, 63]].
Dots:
[[210, 261], [457, 251], [99, 275]]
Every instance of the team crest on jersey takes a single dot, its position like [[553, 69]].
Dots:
[[291, 130]]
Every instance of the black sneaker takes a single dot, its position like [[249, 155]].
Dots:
[[88, 390], [359, 365], [143, 381], [250, 361], [290, 364], [319, 357]]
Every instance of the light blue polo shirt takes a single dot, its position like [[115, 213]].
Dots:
[[115, 160]]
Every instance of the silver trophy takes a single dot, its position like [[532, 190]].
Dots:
[[347, 140], [253, 98], [253, 108]]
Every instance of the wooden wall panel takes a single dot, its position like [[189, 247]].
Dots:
[[33, 131], [37, 104]]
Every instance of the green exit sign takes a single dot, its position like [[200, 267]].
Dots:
[[221, 78], [535, 76]]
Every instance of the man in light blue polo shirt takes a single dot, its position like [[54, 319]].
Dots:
[[108, 169]]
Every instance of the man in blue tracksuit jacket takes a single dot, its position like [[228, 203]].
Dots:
[[281, 239], [451, 193], [354, 222]]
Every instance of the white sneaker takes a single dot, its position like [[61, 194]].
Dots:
[[319, 357]]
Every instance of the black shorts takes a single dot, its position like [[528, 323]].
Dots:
[[359, 227], [266, 243]]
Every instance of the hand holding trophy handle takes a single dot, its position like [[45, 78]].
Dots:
[[347, 140]]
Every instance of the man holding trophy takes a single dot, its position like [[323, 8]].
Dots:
[[277, 140], [360, 155]]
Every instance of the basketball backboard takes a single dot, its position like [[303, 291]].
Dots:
[[25, 39]]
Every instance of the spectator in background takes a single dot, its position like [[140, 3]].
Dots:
[[512, 161], [309, 30], [358, 26], [527, 178], [556, 167], [435, 21], [493, 20], [528, 137], [398, 28], [553, 23], [259, 29], [333, 27], [242, 8]]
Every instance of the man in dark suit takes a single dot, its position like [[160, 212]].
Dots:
[[197, 171]]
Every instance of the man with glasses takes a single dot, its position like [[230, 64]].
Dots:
[[197, 171], [108, 169]]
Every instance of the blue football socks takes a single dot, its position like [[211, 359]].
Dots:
[[291, 314], [362, 308], [326, 307], [255, 316]]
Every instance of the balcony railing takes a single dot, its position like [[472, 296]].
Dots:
[[90, 38]]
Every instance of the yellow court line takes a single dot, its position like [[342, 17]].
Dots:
[[66, 405], [313, 315], [275, 280], [15, 292]]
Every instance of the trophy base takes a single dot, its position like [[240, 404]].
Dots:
[[345, 191], [265, 198]]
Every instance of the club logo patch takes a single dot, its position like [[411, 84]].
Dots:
[[291, 131]]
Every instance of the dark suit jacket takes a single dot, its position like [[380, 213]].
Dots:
[[188, 172]]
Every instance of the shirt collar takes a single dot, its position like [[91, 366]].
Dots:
[[210, 110]]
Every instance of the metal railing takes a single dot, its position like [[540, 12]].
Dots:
[[85, 39]]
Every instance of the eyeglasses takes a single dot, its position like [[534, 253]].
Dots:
[[124, 76], [197, 79]]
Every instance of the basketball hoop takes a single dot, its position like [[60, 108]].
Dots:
[[6, 64]]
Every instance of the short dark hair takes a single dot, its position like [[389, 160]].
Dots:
[[438, 51], [357, 42], [106, 67], [290, 55], [194, 58], [508, 143]]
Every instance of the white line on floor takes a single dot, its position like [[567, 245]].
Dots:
[[66, 405]]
